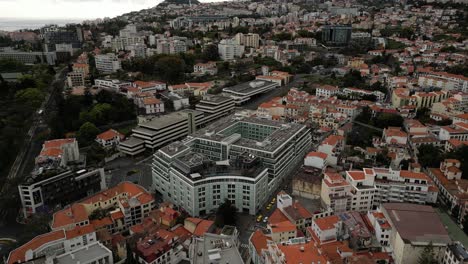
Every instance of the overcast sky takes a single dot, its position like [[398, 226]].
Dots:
[[71, 9]]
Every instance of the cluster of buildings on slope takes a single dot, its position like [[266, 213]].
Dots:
[[391, 233]]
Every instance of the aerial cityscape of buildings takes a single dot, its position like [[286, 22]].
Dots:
[[323, 132]]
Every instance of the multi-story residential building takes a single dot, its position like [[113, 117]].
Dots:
[[205, 68], [112, 85], [260, 154], [60, 245], [127, 203], [81, 68], [229, 49], [443, 80], [30, 58], [107, 63], [152, 105], [242, 93], [364, 190], [88, 254], [355, 92], [326, 91], [248, 40], [414, 227], [45, 193], [332, 146], [457, 131], [58, 153], [381, 227], [75, 79]]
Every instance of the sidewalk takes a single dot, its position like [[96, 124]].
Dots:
[[455, 232]]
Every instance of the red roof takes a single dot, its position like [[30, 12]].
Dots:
[[326, 223], [18, 255], [317, 154], [110, 134]]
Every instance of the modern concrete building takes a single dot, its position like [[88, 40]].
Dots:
[[229, 50], [240, 159], [336, 34], [75, 79], [107, 63], [159, 131], [214, 248], [112, 85], [44, 193], [30, 57], [243, 92]]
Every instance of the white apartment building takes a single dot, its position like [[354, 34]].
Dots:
[[248, 40], [54, 244], [205, 68], [229, 50], [326, 91], [107, 63], [112, 85], [443, 80], [365, 190]]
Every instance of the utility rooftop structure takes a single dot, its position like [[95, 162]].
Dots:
[[235, 158], [243, 92]]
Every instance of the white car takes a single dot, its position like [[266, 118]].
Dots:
[[265, 219]]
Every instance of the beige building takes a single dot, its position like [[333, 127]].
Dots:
[[413, 228]]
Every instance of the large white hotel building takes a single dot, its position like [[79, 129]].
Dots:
[[235, 158]]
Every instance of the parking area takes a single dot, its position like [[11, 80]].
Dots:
[[136, 170]]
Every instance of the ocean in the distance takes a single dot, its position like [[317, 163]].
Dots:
[[14, 24]]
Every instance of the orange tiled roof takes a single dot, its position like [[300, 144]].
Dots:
[[78, 231], [317, 154], [110, 134], [295, 255], [326, 223], [259, 240], [18, 255], [357, 175], [413, 175]]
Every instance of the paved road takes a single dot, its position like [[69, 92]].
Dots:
[[130, 169]]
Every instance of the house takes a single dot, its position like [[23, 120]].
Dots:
[[316, 160], [332, 147], [152, 86], [110, 138], [153, 105], [205, 68], [58, 152], [394, 135]]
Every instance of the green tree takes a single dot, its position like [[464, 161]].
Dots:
[[429, 156], [210, 53], [427, 255], [87, 133], [226, 214], [384, 120], [31, 97], [171, 69]]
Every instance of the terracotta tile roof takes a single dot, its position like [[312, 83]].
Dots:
[[413, 175], [356, 175], [326, 223], [295, 255], [18, 255], [332, 140], [317, 154], [277, 216], [151, 101], [74, 214], [110, 134], [203, 227], [57, 143], [259, 240], [78, 231]]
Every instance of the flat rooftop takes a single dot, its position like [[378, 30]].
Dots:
[[217, 99], [248, 87], [218, 131], [168, 120], [197, 166], [132, 142], [214, 248], [417, 223], [84, 254]]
